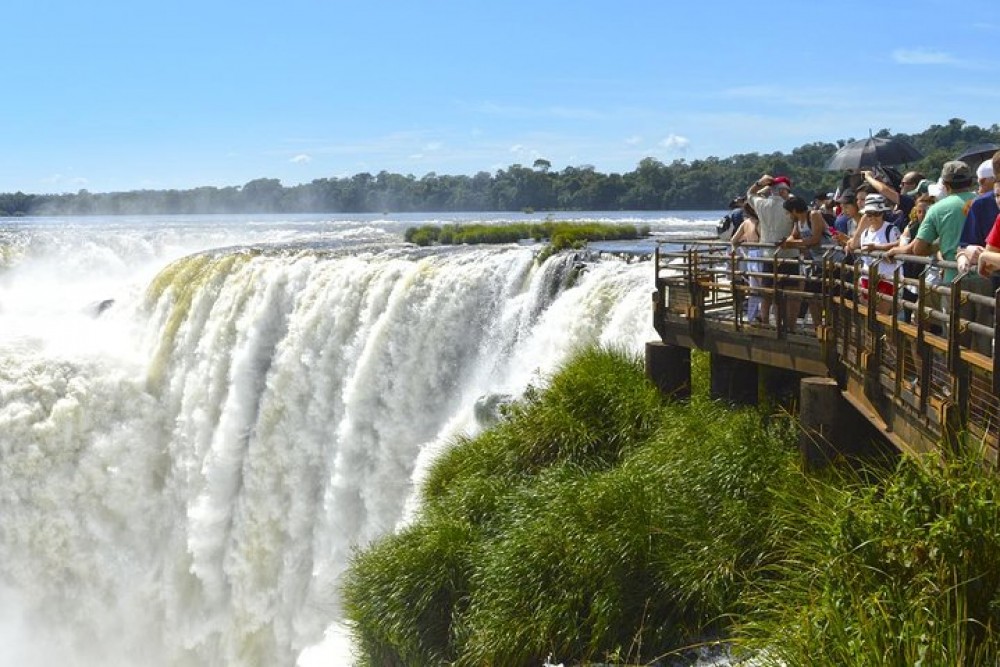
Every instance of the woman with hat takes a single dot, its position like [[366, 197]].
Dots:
[[875, 233]]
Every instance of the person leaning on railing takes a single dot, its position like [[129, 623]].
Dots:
[[985, 259], [914, 269], [808, 229], [749, 232], [875, 233], [945, 219], [767, 196]]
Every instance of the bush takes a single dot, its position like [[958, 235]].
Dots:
[[605, 523], [403, 593]]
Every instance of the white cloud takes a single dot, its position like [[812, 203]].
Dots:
[[433, 146], [675, 142], [634, 140], [302, 158], [516, 148], [924, 57]]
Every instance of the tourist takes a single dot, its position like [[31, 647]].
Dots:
[[945, 219], [808, 230], [913, 269], [767, 196], [984, 174], [732, 220], [823, 202], [749, 232], [875, 233], [901, 201], [983, 211], [849, 216]]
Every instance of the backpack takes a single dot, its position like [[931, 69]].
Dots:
[[729, 224]]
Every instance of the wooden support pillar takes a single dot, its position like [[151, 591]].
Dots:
[[780, 387], [669, 368], [832, 428], [820, 412], [733, 380]]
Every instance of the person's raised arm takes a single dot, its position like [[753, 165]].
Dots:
[[761, 182], [855, 241], [883, 189]]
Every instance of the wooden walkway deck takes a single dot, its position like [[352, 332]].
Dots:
[[927, 381]]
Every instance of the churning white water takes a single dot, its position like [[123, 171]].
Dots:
[[201, 418]]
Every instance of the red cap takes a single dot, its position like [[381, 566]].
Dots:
[[783, 179]]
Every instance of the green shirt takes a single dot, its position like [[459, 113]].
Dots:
[[943, 224]]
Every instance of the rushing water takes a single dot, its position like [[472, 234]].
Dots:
[[200, 417]]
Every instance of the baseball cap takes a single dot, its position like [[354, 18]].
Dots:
[[956, 172]]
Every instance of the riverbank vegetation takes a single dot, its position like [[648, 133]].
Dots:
[[704, 184], [598, 523], [560, 235]]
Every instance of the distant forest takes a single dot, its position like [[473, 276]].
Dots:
[[706, 184]]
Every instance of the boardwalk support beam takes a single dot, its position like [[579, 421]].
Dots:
[[733, 380], [669, 368]]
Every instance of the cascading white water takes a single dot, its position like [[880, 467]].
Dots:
[[184, 477]]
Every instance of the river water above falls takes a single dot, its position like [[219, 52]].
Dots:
[[200, 417]]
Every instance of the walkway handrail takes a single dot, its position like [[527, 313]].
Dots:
[[918, 341]]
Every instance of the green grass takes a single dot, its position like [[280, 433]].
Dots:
[[598, 523], [561, 235], [582, 516], [897, 568]]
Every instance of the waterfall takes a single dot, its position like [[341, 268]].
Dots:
[[184, 477]]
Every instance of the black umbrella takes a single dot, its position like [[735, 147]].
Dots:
[[974, 155], [872, 152]]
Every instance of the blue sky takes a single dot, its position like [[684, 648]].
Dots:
[[110, 95]]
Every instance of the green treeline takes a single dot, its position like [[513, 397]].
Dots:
[[597, 523], [706, 184]]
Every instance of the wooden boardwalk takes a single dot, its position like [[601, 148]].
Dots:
[[921, 370]]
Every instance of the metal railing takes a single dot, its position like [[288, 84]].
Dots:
[[913, 343]]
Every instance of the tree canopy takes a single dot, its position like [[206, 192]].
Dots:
[[704, 184]]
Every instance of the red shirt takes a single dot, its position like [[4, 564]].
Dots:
[[993, 238]]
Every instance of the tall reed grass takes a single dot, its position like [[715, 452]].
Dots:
[[598, 523], [896, 567]]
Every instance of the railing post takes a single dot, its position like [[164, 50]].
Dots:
[[738, 294], [923, 349], [776, 296], [696, 310], [996, 337], [858, 330], [954, 325], [873, 359], [897, 338], [954, 411], [996, 357]]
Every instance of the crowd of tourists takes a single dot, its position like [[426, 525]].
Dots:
[[877, 216]]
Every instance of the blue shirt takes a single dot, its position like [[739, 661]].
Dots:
[[982, 214], [843, 223]]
